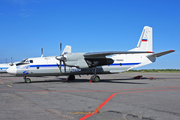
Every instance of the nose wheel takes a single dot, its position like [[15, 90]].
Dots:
[[27, 80]]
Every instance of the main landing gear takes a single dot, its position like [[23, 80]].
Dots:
[[95, 78], [27, 80], [70, 77]]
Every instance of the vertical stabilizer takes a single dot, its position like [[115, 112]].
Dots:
[[67, 50], [145, 40]]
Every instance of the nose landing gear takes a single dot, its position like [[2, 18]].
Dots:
[[27, 80]]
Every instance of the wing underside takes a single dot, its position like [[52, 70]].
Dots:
[[99, 54]]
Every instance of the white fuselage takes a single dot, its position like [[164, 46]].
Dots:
[[3, 68], [49, 66]]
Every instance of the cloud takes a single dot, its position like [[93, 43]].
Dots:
[[26, 13]]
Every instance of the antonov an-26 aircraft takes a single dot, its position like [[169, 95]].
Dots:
[[71, 64], [4, 67]]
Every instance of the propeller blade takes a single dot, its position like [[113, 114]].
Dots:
[[60, 48], [42, 52], [60, 66], [64, 66]]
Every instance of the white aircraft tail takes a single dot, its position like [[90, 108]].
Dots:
[[67, 50], [145, 40]]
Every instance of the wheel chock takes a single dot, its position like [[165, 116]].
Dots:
[[138, 77], [90, 81]]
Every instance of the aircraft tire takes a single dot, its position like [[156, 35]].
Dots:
[[95, 78], [27, 80], [71, 77]]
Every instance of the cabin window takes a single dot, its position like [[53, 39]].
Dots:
[[31, 61], [120, 64], [37, 67]]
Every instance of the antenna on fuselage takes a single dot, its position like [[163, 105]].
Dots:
[[42, 52]]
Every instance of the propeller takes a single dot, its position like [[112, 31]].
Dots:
[[61, 59], [11, 64]]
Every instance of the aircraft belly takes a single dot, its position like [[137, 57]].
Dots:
[[118, 69], [54, 71], [38, 72], [3, 71]]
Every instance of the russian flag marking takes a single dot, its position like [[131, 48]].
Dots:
[[144, 40]]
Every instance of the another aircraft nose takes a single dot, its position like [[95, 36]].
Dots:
[[12, 70]]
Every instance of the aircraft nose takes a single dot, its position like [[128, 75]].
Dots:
[[12, 70]]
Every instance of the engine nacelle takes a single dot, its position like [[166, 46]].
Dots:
[[76, 60]]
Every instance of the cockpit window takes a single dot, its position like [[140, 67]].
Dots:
[[31, 61], [24, 62]]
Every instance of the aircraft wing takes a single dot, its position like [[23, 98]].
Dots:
[[161, 53], [100, 54]]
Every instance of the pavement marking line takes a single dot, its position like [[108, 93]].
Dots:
[[111, 90], [1, 82], [90, 90], [97, 110], [107, 100], [9, 85]]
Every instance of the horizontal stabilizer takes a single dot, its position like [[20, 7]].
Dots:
[[161, 53], [98, 54]]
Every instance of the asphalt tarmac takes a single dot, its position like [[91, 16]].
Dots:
[[115, 97]]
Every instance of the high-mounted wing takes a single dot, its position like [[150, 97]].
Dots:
[[99, 54], [161, 53], [99, 58]]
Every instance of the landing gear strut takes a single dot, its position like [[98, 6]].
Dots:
[[95, 78], [27, 80]]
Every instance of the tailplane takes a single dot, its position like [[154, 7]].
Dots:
[[145, 40]]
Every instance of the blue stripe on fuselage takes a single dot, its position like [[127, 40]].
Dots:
[[115, 64], [55, 65], [4, 68]]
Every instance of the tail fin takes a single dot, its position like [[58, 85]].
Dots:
[[145, 41], [67, 50]]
